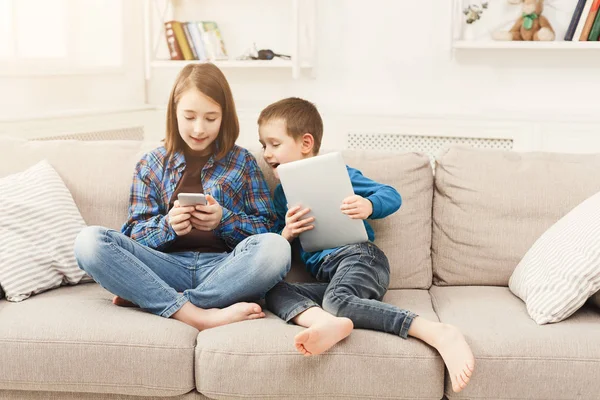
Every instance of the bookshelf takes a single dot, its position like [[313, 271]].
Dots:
[[501, 15], [284, 26], [556, 45]]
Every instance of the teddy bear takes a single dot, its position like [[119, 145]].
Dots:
[[531, 25]]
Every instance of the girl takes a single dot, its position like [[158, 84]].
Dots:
[[198, 264]]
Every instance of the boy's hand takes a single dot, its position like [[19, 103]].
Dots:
[[357, 207], [208, 217], [179, 219], [294, 226]]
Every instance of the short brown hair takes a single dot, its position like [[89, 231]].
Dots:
[[300, 116], [209, 80]]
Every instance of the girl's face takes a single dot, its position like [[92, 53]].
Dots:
[[199, 120]]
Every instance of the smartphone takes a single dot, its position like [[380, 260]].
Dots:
[[191, 199]]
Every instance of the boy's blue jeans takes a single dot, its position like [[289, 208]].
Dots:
[[353, 280], [153, 279]]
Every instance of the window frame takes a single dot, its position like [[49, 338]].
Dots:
[[15, 67]]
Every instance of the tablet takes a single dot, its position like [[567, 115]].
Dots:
[[321, 183]]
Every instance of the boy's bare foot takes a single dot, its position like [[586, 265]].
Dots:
[[451, 345], [322, 335], [119, 301], [457, 356], [204, 319]]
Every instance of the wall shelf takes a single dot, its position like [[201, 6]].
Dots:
[[293, 34], [555, 45], [275, 63]]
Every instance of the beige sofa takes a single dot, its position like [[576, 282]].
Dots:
[[452, 248]]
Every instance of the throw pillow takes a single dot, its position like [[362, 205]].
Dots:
[[562, 268], [595, 299], [38, 227]]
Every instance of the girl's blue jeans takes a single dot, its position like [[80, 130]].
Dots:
[[162, 283]]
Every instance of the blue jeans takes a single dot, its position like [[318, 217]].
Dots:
[[153, 279], [353, 280]]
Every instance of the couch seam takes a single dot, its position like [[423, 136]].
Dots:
[[326, 395], [94, 344], [296, 354], [98, 384], [558, 359]]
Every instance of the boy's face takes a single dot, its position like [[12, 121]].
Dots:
[[278, 146]]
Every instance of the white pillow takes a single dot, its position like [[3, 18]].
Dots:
[[38, 225], [562, 268], [595, 299]]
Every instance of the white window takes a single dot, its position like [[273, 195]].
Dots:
[[45, 37]]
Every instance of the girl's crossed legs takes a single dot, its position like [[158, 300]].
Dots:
[[202, 290]]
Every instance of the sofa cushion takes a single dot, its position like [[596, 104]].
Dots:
[[257, 360], [562, 268], [98, 174], [490, 206], [74, 339], [514, 357], [37, 233], [404, 236]]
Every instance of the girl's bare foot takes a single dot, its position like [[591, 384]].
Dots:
[[119, 301], [322, 335], [204, 319], [451, 345]]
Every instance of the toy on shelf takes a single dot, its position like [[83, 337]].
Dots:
[[531, 25]]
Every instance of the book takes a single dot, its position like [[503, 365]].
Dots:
[[196, 35], [188, 38], [595, 32], [582, 19], [213, 41], [181, 40], [174, 49], [589, 22], [575, 20]]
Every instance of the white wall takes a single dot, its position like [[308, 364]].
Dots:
[[42, 95], [394, 59], [384, 66]]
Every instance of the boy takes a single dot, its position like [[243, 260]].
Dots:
[[353, 278]]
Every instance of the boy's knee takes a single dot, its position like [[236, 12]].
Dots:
[[334, 301]]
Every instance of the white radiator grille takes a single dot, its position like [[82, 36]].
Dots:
[[430, 145], [132, 133]]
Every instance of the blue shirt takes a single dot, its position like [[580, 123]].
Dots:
[[234, 180], [385, 199]]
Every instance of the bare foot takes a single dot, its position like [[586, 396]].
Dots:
[[204, 319], [322, 335], [457, 355], [119, 301]]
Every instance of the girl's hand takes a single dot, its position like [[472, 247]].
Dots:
[[179, 219], [208, 217], [294, 226], [357, 207]]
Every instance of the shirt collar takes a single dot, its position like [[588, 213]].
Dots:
[[178, 160]]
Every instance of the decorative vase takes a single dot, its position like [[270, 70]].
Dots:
[[468, 32]]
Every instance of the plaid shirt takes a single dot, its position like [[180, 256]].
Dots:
[[235, 181]]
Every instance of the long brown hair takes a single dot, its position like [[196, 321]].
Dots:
[[209, 80]]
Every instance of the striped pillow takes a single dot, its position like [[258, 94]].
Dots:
[[38, 227], [562, 268], [595, 299]]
